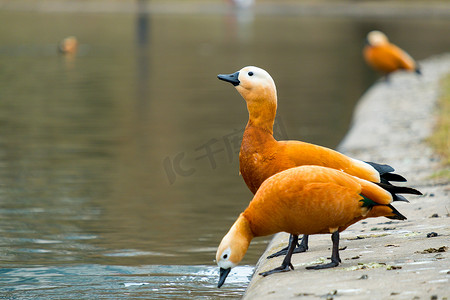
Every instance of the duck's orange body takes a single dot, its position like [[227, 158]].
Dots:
[[261, 156], [305, 200], [311, 200], [386, 57]]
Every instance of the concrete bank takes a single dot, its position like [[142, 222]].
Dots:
[[382, 259]]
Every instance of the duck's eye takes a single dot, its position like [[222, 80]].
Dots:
[[225, 256], [250, 73]]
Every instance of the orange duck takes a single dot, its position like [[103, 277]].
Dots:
[[385, 57], [261, 156], [69, 45], [305, 200]]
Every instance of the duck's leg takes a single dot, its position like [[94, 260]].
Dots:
[[335, 259], [286, 265], [302, 247]]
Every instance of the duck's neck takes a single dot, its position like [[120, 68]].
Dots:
[[240, 235], [262, 115], [242, 229]]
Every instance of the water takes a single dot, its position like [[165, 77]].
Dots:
[[105, 188], [112, 282]]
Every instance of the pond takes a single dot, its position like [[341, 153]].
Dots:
[[106, 186]]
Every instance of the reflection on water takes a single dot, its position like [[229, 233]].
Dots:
[[104, 162]]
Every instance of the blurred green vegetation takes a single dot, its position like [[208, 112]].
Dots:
[[440, 140]]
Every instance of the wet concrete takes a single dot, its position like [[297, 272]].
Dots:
[[382, 259]]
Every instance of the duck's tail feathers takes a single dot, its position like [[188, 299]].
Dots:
[[381, 168], [393, 189], [380, 210], [396, 214], [386, 174], [386, 177], [399, 198]]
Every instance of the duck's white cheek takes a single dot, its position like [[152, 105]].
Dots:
[[226, 264]]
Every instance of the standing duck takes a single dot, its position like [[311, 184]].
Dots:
[[386, 57], [261, 156], [305, 200]]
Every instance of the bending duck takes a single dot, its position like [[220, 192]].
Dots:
[[261, 156], [385, 57], [305, 200]]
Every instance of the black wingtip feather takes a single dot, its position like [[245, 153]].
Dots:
[[382, 169], [398, 215], [399, 189], [385, 172], [399, 198], [392, 177]]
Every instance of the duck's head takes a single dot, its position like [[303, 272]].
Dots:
[[233, 247], [253, 83], [376, 38]]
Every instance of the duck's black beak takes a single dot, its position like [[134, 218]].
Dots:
[[231, 78], [223, 275]]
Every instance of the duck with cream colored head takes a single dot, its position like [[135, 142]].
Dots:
[[305, 200], [261, 156], [386, 57]]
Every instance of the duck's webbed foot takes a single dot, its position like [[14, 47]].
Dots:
[[335, 259], [280, 269], [332, 264], [286, 265]]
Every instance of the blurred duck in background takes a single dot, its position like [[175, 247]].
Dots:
[[386, 57], [69, 45]]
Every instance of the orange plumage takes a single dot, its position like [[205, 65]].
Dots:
[[261, 156], [313, 190], [311, 200], [69, 45], [386, 57], [304, 200]]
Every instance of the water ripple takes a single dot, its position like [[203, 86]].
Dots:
[[111, 282]]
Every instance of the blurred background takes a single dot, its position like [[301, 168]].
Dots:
[[119, 161]]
